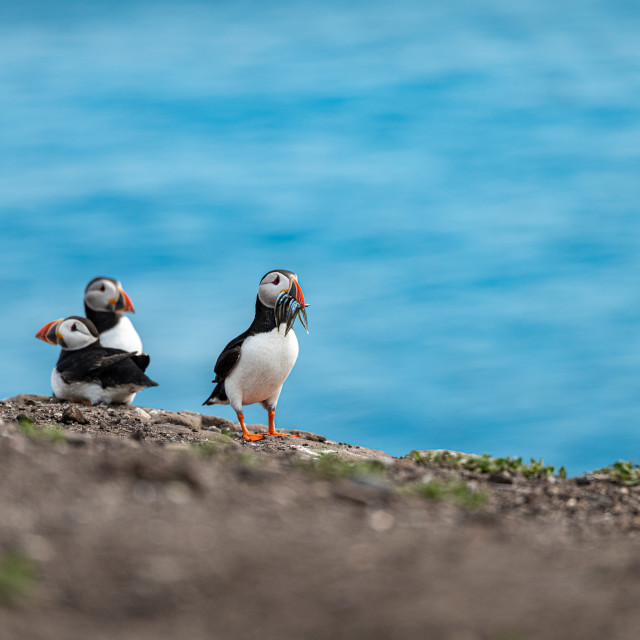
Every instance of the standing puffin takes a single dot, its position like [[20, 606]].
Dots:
[[253, 367], [88, 372], [104, 303]]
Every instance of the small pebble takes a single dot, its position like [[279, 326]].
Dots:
[[141, 414], [504, 477], [73, 413], [381, 520]]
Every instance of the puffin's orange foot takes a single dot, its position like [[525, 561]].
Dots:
[[277, 433], [272, 427], [253, 437]]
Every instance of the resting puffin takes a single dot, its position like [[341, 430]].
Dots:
[[253, 367], [88, 372], [105, 302]]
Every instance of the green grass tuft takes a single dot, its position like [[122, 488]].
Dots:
[[330, 464], [221, 447], [440, 458], [486, 464], [17, 574], [621, 472], [211, 447], [52, 432], [450, 491]]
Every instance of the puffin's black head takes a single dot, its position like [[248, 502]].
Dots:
[[279, 290], [70, 333], [107, 294]]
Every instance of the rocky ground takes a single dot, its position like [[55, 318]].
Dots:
[[124, 522]]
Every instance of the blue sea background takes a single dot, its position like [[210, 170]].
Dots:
[[456, 184]]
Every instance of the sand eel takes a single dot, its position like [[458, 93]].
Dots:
[[105, 302], [253, 367], [88, 372]]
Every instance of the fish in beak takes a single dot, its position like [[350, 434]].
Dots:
[[291, 305], [49, 333]]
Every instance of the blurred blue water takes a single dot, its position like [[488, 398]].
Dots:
[[456, 184]]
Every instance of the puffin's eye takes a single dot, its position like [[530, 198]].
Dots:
[[102, 287], [73, 327], [277, 280]]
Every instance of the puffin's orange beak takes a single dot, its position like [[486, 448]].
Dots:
[[48, 332], [296, 291], [123, 303]]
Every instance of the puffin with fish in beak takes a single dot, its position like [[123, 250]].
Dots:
[[253, 367], [89, 373]]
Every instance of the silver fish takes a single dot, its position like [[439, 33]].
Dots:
[[303, 318], [287, 310]]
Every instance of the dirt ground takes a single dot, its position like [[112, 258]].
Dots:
[[122, 522]]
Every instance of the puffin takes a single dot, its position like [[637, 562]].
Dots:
[[105, 302], [88, 372], [254, 365]]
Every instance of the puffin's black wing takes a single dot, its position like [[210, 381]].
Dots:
[[84, 365], [105, 360], [107, 367], [224, 365], [228, 358], [125, 372], [263, 322]]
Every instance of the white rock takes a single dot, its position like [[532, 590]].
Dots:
[[140, 413]]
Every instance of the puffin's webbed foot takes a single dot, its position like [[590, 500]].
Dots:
[[253, 437], [272, 427], [249, 437], [277, 433]]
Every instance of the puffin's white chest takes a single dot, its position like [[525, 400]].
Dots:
[[122, 336], [91, 391], [266, 359]]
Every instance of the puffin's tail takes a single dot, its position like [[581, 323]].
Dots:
[[150, 382], [218, 396]]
